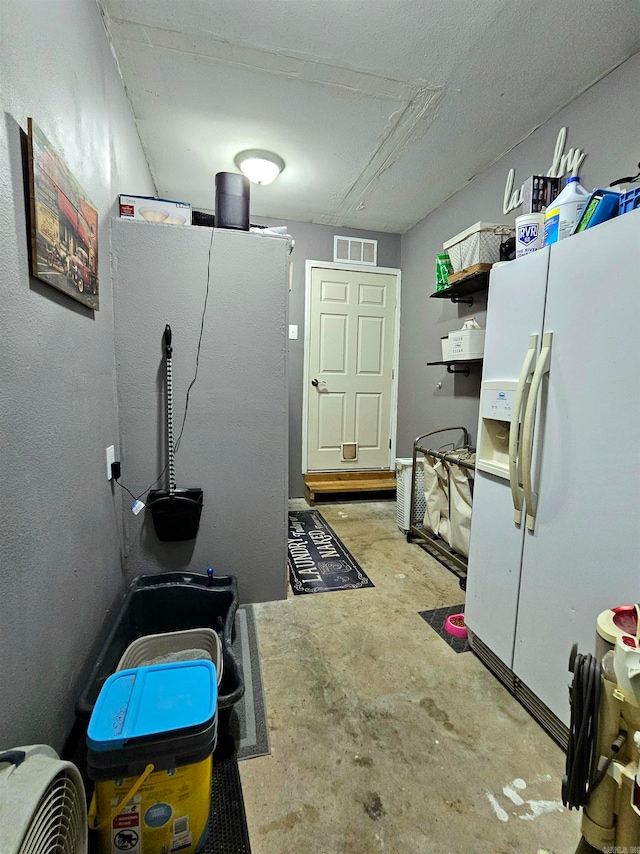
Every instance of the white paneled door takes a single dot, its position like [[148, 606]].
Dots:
[[351, 345]]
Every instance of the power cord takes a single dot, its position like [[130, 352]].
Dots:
[[581, 776], [195, 376], [116, 471]]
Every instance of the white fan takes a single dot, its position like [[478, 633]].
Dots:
[[42, 803]]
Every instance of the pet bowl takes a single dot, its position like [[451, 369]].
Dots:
[[454, 625]]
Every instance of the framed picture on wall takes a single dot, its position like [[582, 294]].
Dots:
[[64, 224]]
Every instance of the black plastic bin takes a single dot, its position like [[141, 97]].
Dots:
[[172, 602]]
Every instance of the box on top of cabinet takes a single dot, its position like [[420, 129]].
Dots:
[[155, 210]]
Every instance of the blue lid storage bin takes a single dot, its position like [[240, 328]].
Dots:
[[152, 735], [153, 701]]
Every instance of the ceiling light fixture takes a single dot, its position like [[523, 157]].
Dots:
[[261, 167]]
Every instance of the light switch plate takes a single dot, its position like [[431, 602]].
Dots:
[[293, 331], [111, 458]]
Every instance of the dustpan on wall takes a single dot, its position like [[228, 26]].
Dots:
[[175, 511]]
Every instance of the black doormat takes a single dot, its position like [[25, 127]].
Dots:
[[318, 561], [248, 719], [228, 832], [436, 617]]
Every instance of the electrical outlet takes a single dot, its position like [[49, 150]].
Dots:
[[111, 458], [293, 331]]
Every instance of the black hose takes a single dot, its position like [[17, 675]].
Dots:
[[581, 775]]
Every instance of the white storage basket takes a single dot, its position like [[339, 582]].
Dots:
[[479, 244], [465, 344], [404, 471], [147, 649]]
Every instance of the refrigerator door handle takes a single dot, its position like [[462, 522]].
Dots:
[[530, 497], [514, 430]]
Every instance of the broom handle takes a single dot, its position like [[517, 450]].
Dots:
[[171, 451]]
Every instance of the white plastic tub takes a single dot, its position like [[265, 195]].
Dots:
[[147, 649], [466, 344]]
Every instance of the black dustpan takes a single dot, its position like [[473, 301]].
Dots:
[[175, 512]]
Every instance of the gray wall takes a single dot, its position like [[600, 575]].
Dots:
[[314, 243], [234, 444], [604, 122], [60, 570]]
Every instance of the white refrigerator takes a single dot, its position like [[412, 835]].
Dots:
[[555, 533]]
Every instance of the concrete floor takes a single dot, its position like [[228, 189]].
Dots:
[[382, 737]]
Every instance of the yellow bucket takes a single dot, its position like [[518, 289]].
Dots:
[[150, 756], [168, 812]]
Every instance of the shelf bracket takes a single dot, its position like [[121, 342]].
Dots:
[[468, 300], [466, 370]]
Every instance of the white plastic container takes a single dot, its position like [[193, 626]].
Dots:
[[468, 342], [479, 244], [148, 649], [564, 212], [529, 233]]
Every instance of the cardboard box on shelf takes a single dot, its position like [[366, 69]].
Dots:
[[150, 209]]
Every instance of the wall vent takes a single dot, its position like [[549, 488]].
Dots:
[[355, 250]]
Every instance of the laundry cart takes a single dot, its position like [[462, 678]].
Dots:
[[447, 485]]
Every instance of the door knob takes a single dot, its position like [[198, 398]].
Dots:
[[315, 383]]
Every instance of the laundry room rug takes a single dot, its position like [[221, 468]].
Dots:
[[248, 722], [317, 559], [436, 617]]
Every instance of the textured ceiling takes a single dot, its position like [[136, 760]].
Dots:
[[381, 109]]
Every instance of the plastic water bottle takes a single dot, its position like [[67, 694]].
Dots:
[[564, 211]]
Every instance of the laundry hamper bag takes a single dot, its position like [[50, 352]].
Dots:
[[436, 496], [460, 503]]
